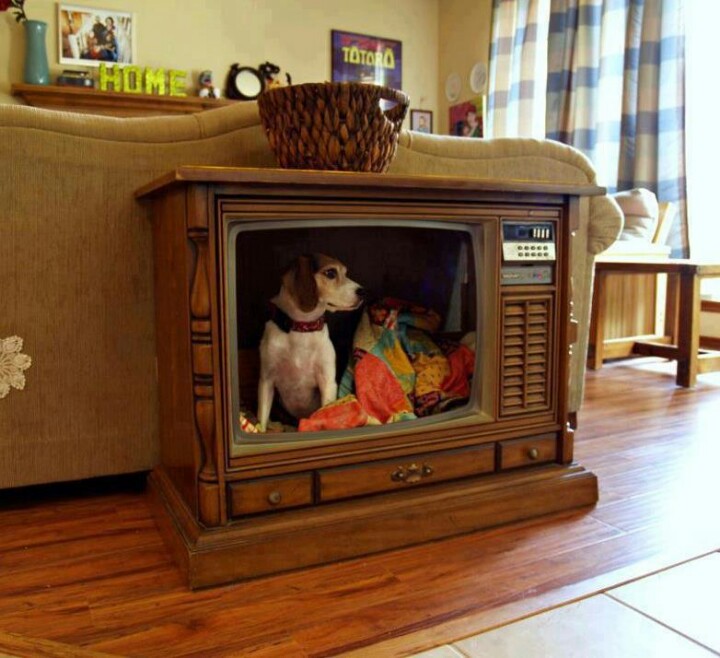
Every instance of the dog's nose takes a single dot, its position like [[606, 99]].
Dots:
[[361, 292]]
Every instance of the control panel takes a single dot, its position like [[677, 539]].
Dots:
[[528, 241], [528, 253]]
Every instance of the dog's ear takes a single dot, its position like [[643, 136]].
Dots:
[[299, 279]]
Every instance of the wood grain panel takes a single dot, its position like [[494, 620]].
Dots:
[[401, 473], [180, 454], [630, 305], [526, 452], [269, 494]]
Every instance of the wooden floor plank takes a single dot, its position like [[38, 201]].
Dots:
[[479, 621], [491, 590], [13, 645], [92, 571]]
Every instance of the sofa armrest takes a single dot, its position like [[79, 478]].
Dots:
[[606, 223]]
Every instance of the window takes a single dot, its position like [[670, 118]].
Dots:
[[703, 136]]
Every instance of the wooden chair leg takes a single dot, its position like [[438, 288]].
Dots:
[[688, 337], [671, 307]]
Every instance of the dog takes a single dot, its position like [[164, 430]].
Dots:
[[297, 357]]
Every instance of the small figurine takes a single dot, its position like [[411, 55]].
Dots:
[[207, 88], [269, 72]]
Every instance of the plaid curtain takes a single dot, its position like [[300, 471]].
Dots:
[[518, 67], [615, 90]]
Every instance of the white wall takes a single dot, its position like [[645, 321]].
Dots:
[[295, 34], [464, 40]]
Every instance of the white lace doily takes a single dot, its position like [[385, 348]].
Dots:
[[12, 365]]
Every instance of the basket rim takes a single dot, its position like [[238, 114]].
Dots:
[[405, 97]]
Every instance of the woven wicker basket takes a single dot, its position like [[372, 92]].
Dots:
[[336, 125]]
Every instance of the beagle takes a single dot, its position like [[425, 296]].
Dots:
[[296, 356]]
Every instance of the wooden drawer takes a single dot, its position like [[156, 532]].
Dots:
[[268, 494], [405, 472], [525, 452]]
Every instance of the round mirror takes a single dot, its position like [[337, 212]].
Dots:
[[248, 83], [244, 83]]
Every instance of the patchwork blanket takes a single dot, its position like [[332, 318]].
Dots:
[[397, 371]]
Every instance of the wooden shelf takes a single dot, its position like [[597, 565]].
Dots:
[[93, 101]]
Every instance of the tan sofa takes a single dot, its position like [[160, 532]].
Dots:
[[76, 267]]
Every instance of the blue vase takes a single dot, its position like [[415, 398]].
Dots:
[[37, 71]]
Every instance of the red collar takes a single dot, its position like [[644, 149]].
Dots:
[[287, 324]]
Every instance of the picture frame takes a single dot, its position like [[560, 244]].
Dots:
[[364, 58], [421, 121], [467, 119], [88, 36]]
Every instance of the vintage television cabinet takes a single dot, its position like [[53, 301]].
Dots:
[[234, 505]]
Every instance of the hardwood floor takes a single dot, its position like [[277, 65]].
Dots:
[[91, 570]]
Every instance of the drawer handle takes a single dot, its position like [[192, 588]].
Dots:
[[411, 474], [274, 497], [533, 453]]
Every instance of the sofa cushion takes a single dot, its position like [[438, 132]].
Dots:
[[640, 208]]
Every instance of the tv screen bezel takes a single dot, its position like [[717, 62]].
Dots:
[[483, 232]]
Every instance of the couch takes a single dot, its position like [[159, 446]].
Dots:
[[76, 267]]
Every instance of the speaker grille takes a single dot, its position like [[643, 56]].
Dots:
[[526, 354]]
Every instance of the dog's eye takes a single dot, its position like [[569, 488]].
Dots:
[[331, 273]]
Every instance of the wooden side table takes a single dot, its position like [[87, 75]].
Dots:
[[682, 343]]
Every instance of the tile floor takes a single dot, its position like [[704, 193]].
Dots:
[[671, 614]]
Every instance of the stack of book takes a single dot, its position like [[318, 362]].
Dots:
[[75, 78]]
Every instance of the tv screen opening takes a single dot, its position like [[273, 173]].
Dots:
[[397, 323]]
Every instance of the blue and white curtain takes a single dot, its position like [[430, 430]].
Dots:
[[616, 92], [615, 89], [586, 68], [518, 67]]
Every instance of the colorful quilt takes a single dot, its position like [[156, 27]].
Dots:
[[397, 371]]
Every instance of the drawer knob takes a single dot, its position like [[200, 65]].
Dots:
[[274, 497], [533, 453], [411, 474]]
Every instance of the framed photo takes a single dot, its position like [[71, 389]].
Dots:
[[421, 121], [88, 36], [468, 119], [363, 58]]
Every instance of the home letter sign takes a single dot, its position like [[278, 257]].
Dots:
[[134, 80]]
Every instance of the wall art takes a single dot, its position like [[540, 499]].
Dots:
[[421, 121], [468, 119], [364, 58], [88, 36]]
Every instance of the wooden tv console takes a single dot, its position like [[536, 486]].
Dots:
[[229, 515]]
